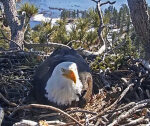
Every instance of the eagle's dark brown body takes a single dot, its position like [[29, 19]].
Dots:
[[44, 72]]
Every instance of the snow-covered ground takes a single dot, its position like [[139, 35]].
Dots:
[[38, 18], [41, 18]]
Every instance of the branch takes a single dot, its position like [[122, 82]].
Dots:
[[108, 2], [57, 45], [127, 114], [5, 38], [49, 44], [26, 123], [40, 123], [96, 1], [45, 107], [138, 121], [82, 111], [90, 53], [101, 25], [111, 106], [6, 101]]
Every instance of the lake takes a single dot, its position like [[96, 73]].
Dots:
[[45, 5]]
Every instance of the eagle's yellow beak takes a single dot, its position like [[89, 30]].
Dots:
[[69, 74]]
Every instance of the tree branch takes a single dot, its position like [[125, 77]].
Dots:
[[96, 1], [111, 106], [49, 44], [45, 107], [107, 2], [127, 114], [101, 25], [137, 121], [81, 51]]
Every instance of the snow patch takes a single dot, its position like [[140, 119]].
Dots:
[[40, 17]]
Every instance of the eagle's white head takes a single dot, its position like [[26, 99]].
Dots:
[[64, 85]]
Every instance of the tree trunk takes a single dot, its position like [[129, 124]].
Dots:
[[15, 22], [141, 23]]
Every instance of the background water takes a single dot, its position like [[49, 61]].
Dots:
[[43, 6]]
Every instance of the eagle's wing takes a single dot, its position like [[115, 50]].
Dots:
[[44, 72]]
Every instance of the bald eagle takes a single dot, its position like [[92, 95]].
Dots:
[[63, 79]]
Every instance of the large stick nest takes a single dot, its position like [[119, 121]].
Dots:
[[120, 97]]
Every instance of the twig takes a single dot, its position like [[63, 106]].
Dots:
[[98, 122], [57, 122], [6, 101], [128, 113], [48, 115], [126, 106], [86, 120], [26, 123], [144, 101], [83, 111], [111, 106], [71, 123], [45, 107], [137, 121]]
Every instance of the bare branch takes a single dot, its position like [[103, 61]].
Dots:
[[111, 106], [101, 24], [96, 1], [82, 111], [45, 107], [49, 44], [90, 53], [107, 2], [127, 114], [26, 122], [137, 121], [57, 45]]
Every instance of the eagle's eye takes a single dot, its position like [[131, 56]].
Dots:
[[69, 74]]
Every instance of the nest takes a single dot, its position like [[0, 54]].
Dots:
[[120, 97]]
